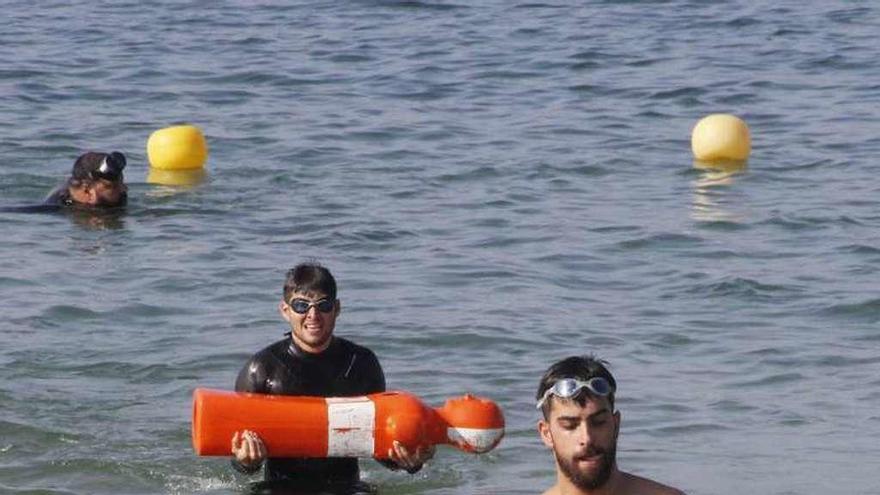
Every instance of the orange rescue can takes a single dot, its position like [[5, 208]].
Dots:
[[364, 426]]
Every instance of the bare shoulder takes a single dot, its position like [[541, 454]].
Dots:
[[553, 490], [644, 486]]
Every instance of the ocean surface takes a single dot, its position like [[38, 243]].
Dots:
[[495, 184]]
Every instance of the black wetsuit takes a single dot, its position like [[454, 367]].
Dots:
[[344, 369], [60, 196], [59, 200]]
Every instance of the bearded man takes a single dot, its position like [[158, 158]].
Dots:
[[580, 426]]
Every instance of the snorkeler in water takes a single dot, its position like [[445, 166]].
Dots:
[[96, 181]]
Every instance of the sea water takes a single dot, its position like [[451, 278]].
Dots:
[[495, 184]]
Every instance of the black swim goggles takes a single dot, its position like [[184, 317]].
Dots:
[[302, 306], [566, 388], [110, 168]]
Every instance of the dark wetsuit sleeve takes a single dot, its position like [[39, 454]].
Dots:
[[58, 196], [252, 378]]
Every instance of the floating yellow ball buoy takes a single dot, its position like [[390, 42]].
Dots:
[[721, 137], [181, 147]]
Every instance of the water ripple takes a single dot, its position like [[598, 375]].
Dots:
[[496, 185], [660, 241], [744, 288], [867, 310]]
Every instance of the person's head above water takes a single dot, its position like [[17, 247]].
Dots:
[[97, 179], [580, 426], [309, 277], [310, 306], [575, 378]]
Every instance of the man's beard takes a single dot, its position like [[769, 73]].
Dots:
[[584, 480]]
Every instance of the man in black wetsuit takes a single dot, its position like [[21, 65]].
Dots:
[[313, 362], [92, 196], [95, 181]]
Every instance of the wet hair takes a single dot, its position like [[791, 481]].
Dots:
[[579, 367], [309, 277]]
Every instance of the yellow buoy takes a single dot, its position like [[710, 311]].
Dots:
[[181, 147], [721, 136]]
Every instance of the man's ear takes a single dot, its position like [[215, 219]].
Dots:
[[616, 424], [544, 431], [338, 308], [284, 309]]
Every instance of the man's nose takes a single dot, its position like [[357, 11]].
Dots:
[[583, 433]]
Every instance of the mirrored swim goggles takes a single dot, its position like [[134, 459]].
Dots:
[[567, 388], [110, 168], [302, 306]]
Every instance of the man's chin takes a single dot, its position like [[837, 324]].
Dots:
[[310, 342], [588, 473]]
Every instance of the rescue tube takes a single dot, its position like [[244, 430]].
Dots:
[[721, 137], [365, 426], [180, 147]]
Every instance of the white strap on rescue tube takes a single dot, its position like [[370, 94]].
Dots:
[[350, 426], [480, 439]]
